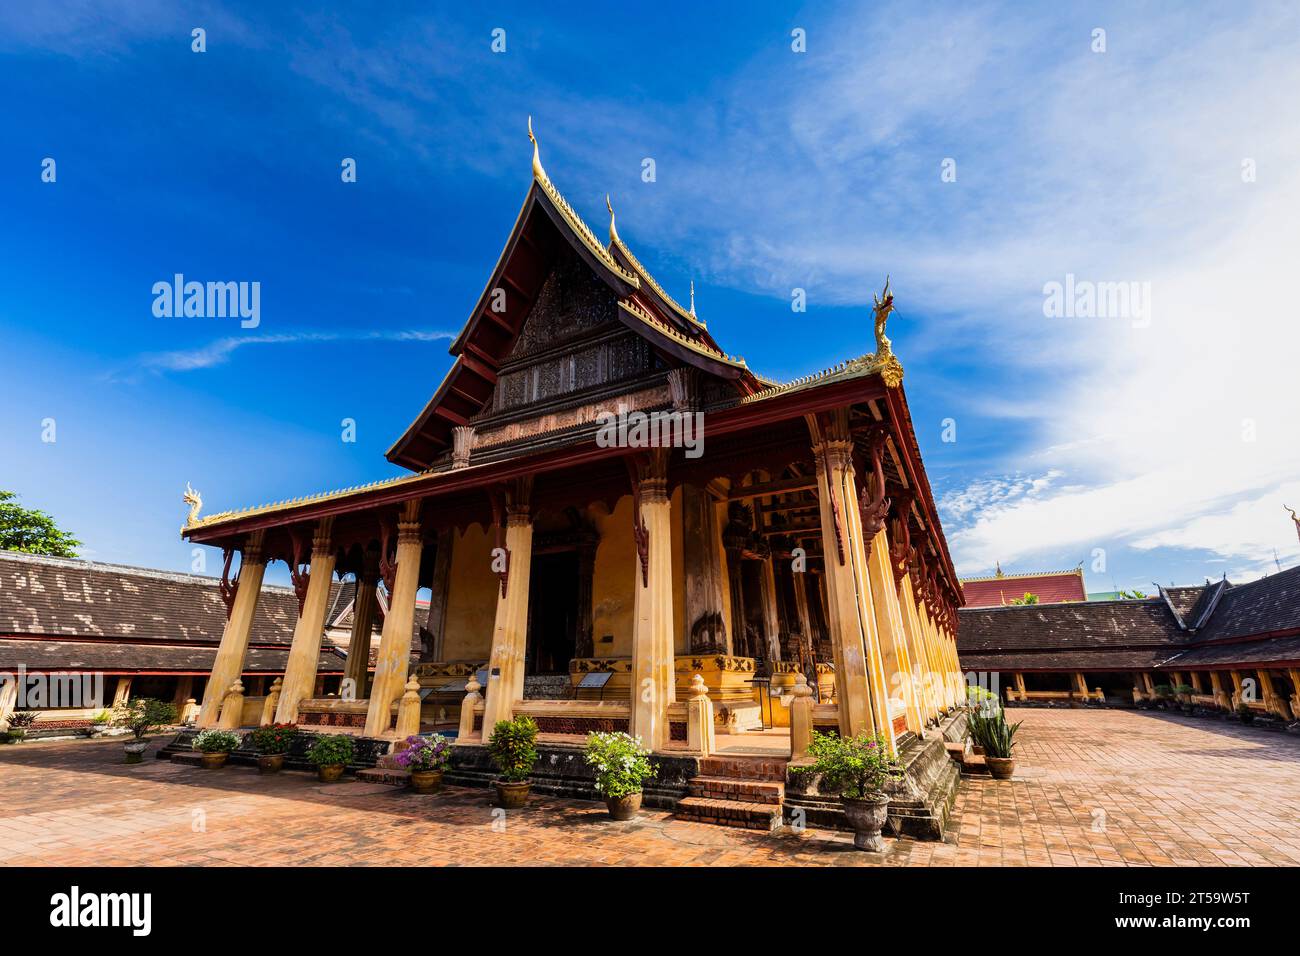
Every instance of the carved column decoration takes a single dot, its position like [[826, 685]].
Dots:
[[387, 566], [462, 445], [299, 567], [684, 387], [874, 508], [900, 549], [229, 586]]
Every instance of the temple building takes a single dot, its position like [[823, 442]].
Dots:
[[1049, 587], [1225, 644], [601, 499]]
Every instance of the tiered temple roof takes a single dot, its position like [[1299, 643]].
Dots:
[[1051, 587]]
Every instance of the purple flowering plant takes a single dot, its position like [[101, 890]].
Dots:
[[424, 753]]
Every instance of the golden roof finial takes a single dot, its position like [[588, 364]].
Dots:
[[537, 160], [613, 233], [692, 297]]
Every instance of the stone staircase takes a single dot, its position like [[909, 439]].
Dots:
[[744, 792]]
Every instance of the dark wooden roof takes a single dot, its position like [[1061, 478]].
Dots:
[[1254, 623]]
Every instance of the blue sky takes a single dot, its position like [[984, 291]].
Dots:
[[1166, 440]]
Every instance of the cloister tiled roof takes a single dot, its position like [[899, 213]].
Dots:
[[73, 598], [1212, 625], [38, 655]]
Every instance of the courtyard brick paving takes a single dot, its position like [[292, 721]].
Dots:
[[1091, 788]]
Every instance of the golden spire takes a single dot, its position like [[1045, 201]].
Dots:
[[692, 297], [613, 233], [537, 160]]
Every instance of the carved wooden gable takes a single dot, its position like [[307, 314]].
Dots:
[[571, 343]]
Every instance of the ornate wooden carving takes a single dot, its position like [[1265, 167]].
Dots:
[[387, 565], [900, 548], [299, 567], [229, 586], [874, 508]]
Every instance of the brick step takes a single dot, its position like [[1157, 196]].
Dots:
[[393, 776], [192, 757], [730, 813], [974, 766], [732, 788], [744, 768]]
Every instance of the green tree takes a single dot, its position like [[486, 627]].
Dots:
[[1027, 599], [1133, 595], [32, 532]]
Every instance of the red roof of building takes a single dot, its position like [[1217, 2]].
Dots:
[[1052, 587]]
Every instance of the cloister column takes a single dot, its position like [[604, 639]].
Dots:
[[859, 669], [395, 643], [653, 684], [1081, 684], [304, 654], [1196, 682], [1221, 698], [937, 678], [8, 700], [771, 613], [510, 631], [229, 662], [1294, 675], [365, 603], [1274, 703]]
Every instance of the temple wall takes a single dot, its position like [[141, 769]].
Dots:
[[612, 584], [472, 597]]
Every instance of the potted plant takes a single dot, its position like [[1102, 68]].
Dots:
[[272, 742], [1184, 694], [215, 746], [512, 748], [424, 758], [1164, 696], [622, 767], [19, 721], [857, 768], [100, 723], [331, 754], [1244, 713], [997, 737], [141, 716]]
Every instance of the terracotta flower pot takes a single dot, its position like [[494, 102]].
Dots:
[[867, 817], [512, 796], [215, 760], [1000, 768], [977, 750], [624, 808], [329, 772], [426, 781], [270, 763]]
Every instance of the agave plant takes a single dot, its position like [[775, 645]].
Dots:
[[992, 732]]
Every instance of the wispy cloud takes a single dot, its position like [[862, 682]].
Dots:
[[219, 351]]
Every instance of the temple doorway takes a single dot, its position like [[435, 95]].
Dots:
[[552, 613]]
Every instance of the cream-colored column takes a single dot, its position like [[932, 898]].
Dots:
[[122, 693], [505, 684], [395, 643], [1272, 701], [1021, 690], [1221, 697], [1081, 684], [937, 678], [893, 633], [859, 669], [1196, 682], [304, 654], [184, 690], [229, 662], [917, 652], [8, 699], [653, 684], [1149, 684], [1294, 675]]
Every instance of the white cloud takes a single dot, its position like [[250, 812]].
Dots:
[[219, 351]]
